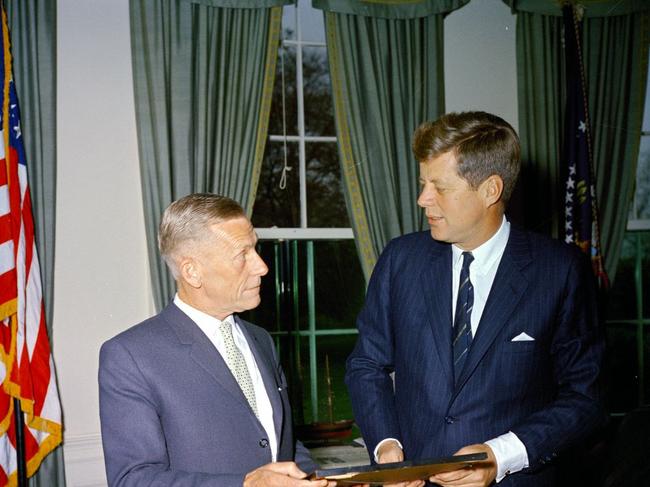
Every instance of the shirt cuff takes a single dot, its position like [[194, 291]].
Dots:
[[381, 443], [510, 454]]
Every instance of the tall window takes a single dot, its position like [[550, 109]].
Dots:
[[315, 286], [628, 313]]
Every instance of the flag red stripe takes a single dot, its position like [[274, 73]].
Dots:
[[30, 376]]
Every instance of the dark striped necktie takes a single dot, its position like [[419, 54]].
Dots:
[[462, 324]]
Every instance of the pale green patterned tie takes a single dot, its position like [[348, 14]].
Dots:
[[237, 365]]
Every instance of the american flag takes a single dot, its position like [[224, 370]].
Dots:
[[580, 206], [26, 366]]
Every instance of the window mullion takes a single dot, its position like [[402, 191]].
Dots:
[[638, 278], [302, 175], [311, 310]]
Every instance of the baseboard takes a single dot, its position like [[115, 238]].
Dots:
[[84, 461]]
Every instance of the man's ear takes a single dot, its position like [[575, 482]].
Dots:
[[491, 190], [190, 272]]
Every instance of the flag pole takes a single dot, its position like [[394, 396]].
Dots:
[[20, 444]]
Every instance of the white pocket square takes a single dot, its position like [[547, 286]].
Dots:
[[523, 337]]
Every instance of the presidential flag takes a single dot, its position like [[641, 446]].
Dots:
[[26, 366], [581, 210]]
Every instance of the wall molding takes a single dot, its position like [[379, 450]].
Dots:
[[84, 461]]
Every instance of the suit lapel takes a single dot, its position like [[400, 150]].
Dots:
[[265, 363], [435, 280], [507, 289], [203, 353]]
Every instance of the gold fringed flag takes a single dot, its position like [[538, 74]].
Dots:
[[26, 366], [580, 206]]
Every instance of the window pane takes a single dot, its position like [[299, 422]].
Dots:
[[278, 315], [644, 249], [646, 115], [325, 201], [274, 205], [621, 298], [339, 289], [287, 263], [336, 348], [339, 284], [621, 377], [289, 22], [312, 23], [319, 107], [646, 364], [642, 192], [289, 114]]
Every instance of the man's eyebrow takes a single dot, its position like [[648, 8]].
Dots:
[[430, 180]]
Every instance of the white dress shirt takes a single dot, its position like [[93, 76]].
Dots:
[[509, 451], [210, 326]]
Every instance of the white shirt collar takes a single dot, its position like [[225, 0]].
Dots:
[[486, 254], [203, 320]]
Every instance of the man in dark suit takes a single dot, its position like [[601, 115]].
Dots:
[[491, 332], [195, 396]]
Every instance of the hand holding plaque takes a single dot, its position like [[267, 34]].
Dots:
[[392, 473]]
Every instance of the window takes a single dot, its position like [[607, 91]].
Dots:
[[628, 313], [315, 286]]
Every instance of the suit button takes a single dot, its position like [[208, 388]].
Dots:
[[264, 443], [449, 419]]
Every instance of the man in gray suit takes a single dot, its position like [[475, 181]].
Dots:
[[194, 396]]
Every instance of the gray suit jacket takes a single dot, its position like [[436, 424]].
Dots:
[[172, 414]]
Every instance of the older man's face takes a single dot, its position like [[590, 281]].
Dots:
[[230, 268]]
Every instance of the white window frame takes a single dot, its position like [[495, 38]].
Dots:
[[304, 232]]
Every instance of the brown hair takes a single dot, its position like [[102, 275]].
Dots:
[[185, 222], [483, 144]]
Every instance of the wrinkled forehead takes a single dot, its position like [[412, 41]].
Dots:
[[236, 232]]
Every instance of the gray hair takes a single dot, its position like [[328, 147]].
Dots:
[[185, 222]]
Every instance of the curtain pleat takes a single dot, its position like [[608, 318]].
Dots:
[[616, 64], [387, 78], [540, 81], [615, 52], [203, 78]]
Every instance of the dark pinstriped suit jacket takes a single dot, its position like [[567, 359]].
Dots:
[[545, 390], [172, 414]]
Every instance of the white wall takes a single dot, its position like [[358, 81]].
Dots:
[[101, 276], [102, 284], [480, 59]]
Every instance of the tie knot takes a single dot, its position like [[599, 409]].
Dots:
[[468, 258]]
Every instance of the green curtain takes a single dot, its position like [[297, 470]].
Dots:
[[540, 72], [203, 79], [615, 48], [386, 66], [616, 58], [33, 45]]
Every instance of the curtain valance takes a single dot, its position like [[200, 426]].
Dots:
[[390, 9], [240, 3], [592, 8]]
